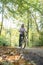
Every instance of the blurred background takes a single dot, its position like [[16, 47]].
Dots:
[[15, 12]]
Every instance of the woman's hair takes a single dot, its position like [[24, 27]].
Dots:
[[22, 25]]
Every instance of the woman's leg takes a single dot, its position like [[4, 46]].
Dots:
[[20, 41]]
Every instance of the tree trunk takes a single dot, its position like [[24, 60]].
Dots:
[[2, 19], [10, 36], [28, 28]]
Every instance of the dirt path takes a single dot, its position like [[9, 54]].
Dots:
[[35, 55]]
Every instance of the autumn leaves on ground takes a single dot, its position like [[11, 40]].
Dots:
[[12, 56]]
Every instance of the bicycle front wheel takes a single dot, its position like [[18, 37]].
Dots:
[[23, 44]]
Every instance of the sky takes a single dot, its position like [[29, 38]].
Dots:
[[7, 23]]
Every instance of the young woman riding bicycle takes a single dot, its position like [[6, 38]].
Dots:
[[22, 35]]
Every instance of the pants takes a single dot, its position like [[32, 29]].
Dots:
[[20, 39]]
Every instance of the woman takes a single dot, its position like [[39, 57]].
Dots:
[[22, 34]]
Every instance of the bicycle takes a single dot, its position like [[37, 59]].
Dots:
[[23, 41]]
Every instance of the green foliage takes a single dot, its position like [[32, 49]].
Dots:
[[3, 41], [41, 39], [7, 63]]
